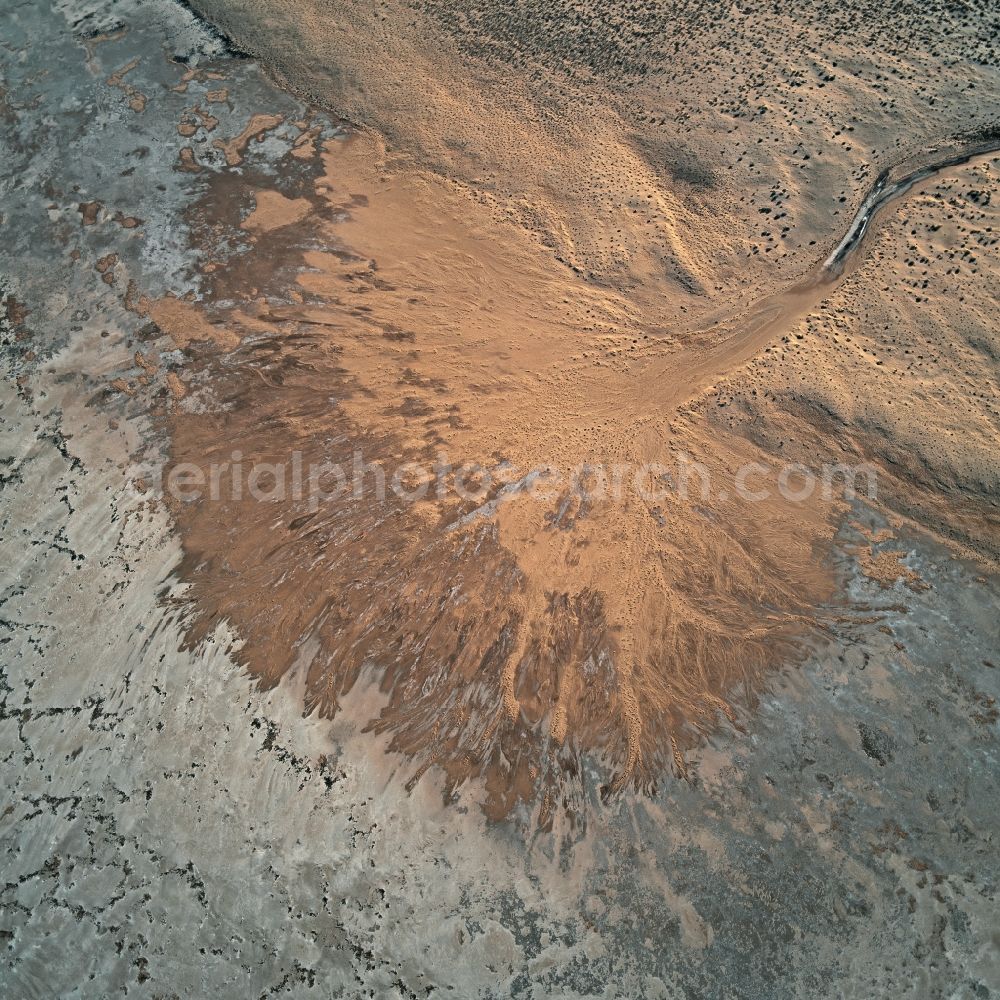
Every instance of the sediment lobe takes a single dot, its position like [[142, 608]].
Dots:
[[564, 618], [450, 291]]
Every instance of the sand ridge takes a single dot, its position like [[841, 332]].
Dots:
[[698, 149]]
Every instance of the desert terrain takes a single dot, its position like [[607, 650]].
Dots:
[[499, 500]]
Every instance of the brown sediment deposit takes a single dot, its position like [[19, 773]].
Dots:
[[186, 160], [194, 119], [256, 128], [559, 283], [89, 211], [570, 621], [272, 210], [127, 221], [105, 267], [176, 386], [136, 100], [195, 73], [185, 324]]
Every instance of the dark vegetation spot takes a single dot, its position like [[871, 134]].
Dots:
[[878, 745]]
